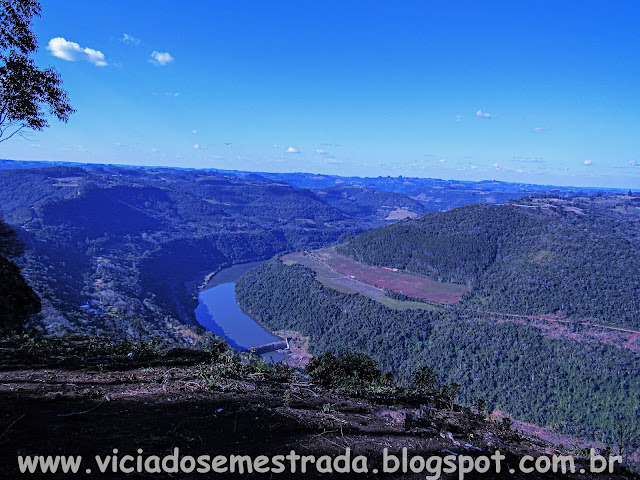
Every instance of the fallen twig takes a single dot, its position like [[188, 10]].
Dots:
[[83, 412], [12, 424]]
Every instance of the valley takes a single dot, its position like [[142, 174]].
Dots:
[[319, 239], [515, 303]]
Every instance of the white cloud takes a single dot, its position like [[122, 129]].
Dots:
[[126, 38], [196, 146], [495, 165], [587, 162], [194, 131], [322, 152], [292, 150], [482, 114], [539, 130], [161, 58], [442, 160], [458, 118], [71, 51], [634, 163], [473, 167]]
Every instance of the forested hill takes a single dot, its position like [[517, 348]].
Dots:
[[541, 255], [582, 387], [120, 251], [371, 205]]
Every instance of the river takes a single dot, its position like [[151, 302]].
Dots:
[[219, 313]]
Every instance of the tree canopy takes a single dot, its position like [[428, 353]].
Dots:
[[27, 93]]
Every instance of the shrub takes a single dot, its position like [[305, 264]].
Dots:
[[425, 381], [349, 370]]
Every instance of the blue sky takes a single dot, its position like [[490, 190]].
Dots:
[[538, 92]]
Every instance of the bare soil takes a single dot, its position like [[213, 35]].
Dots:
[[67, 404]]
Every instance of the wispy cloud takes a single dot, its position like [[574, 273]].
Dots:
[[634, 163], [459, 118], [74, 148], [194, 131], [292, 150], [327, 157], [529, 159], [539, 130], [71, 51], [130, 39], [161, 58], [588, 163], [442, 160], [482, 114]]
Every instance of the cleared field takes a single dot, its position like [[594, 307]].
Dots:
[[401, 282], [349, 276], [345, 284]]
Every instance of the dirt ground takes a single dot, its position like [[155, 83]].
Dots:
[[91, 408]]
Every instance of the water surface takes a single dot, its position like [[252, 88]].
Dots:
[[219, 313]]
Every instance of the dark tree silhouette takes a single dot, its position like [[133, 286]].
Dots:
[[27, 94]]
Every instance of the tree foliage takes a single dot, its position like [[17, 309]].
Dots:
[[580, 388], [27, 93]]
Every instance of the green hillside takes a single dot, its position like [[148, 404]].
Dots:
[[574, 258], [584, 388], [544, 256]]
